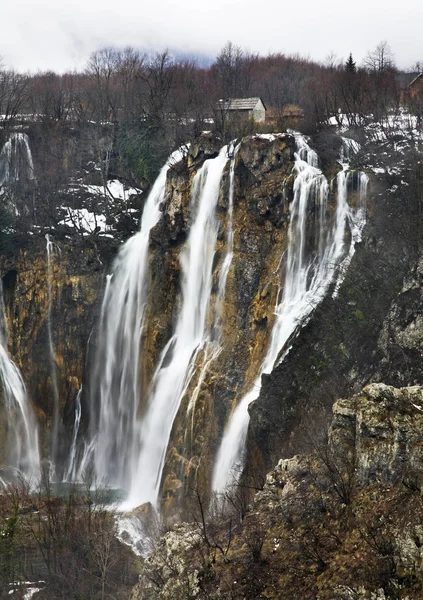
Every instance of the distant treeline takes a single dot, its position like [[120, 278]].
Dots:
[[157, 102]]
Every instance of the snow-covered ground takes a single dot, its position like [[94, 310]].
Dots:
[[114, 189], [270, 137], [31, 588], [87, 220], [394, 137]]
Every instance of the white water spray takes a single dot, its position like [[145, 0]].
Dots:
[[307, 279]]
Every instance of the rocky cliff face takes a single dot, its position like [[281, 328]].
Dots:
[[370, 331], [76, 281], [263, 175]]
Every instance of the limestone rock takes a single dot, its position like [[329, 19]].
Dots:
[[169, 572], [385, 426]]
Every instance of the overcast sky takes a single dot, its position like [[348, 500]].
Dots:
[[49, 34]]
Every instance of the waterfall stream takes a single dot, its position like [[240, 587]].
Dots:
[[128, 449], [16, 160], [213, 346], [54, 443], [22, 441], [115, 379], [229, 243], [176, 365], [307, 278], [71, 470]]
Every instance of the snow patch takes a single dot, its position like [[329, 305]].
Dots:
[[270, 137], [84, 220]]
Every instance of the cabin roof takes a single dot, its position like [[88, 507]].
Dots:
[[415, 79], [404, 80], [240, 103]]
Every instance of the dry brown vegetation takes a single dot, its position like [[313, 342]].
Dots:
[[67, 542]]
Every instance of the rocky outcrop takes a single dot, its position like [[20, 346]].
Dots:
[[341, 523], [168, 574], [401, 337], [385, 425]]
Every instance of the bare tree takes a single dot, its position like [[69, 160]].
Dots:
[[13, 93], [159, 78], [228, 66], [381, 59], [105, 553], [102, 68], [52, 95], [129, 74]]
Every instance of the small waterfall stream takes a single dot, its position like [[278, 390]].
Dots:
[[224, 271], [71, 470], [22, 436], [356, 217], [54, 443], [307, 279], [16, 162]]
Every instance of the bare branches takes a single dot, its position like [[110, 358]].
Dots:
[[381, 59]]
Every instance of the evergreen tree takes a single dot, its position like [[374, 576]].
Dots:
[[350, 65]]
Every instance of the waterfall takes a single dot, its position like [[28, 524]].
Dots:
[[16, 162], [22, 432], [229, 243], [115, 379], [53, 368], [307, 279], [129, 449], [71, 470], [356, 216], [177, 362], [213, 347], [349, 147]]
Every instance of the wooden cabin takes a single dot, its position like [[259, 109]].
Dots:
[[410, 85], [246, 108]]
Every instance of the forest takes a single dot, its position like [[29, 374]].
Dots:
[[155, 103]]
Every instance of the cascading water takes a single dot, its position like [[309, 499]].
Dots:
[[128, 449], [229, 244], [177, 362], [115, 381], [212, 347], [307, 279], [22, 437], [16, 162], [71, 470], [356, 216]]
